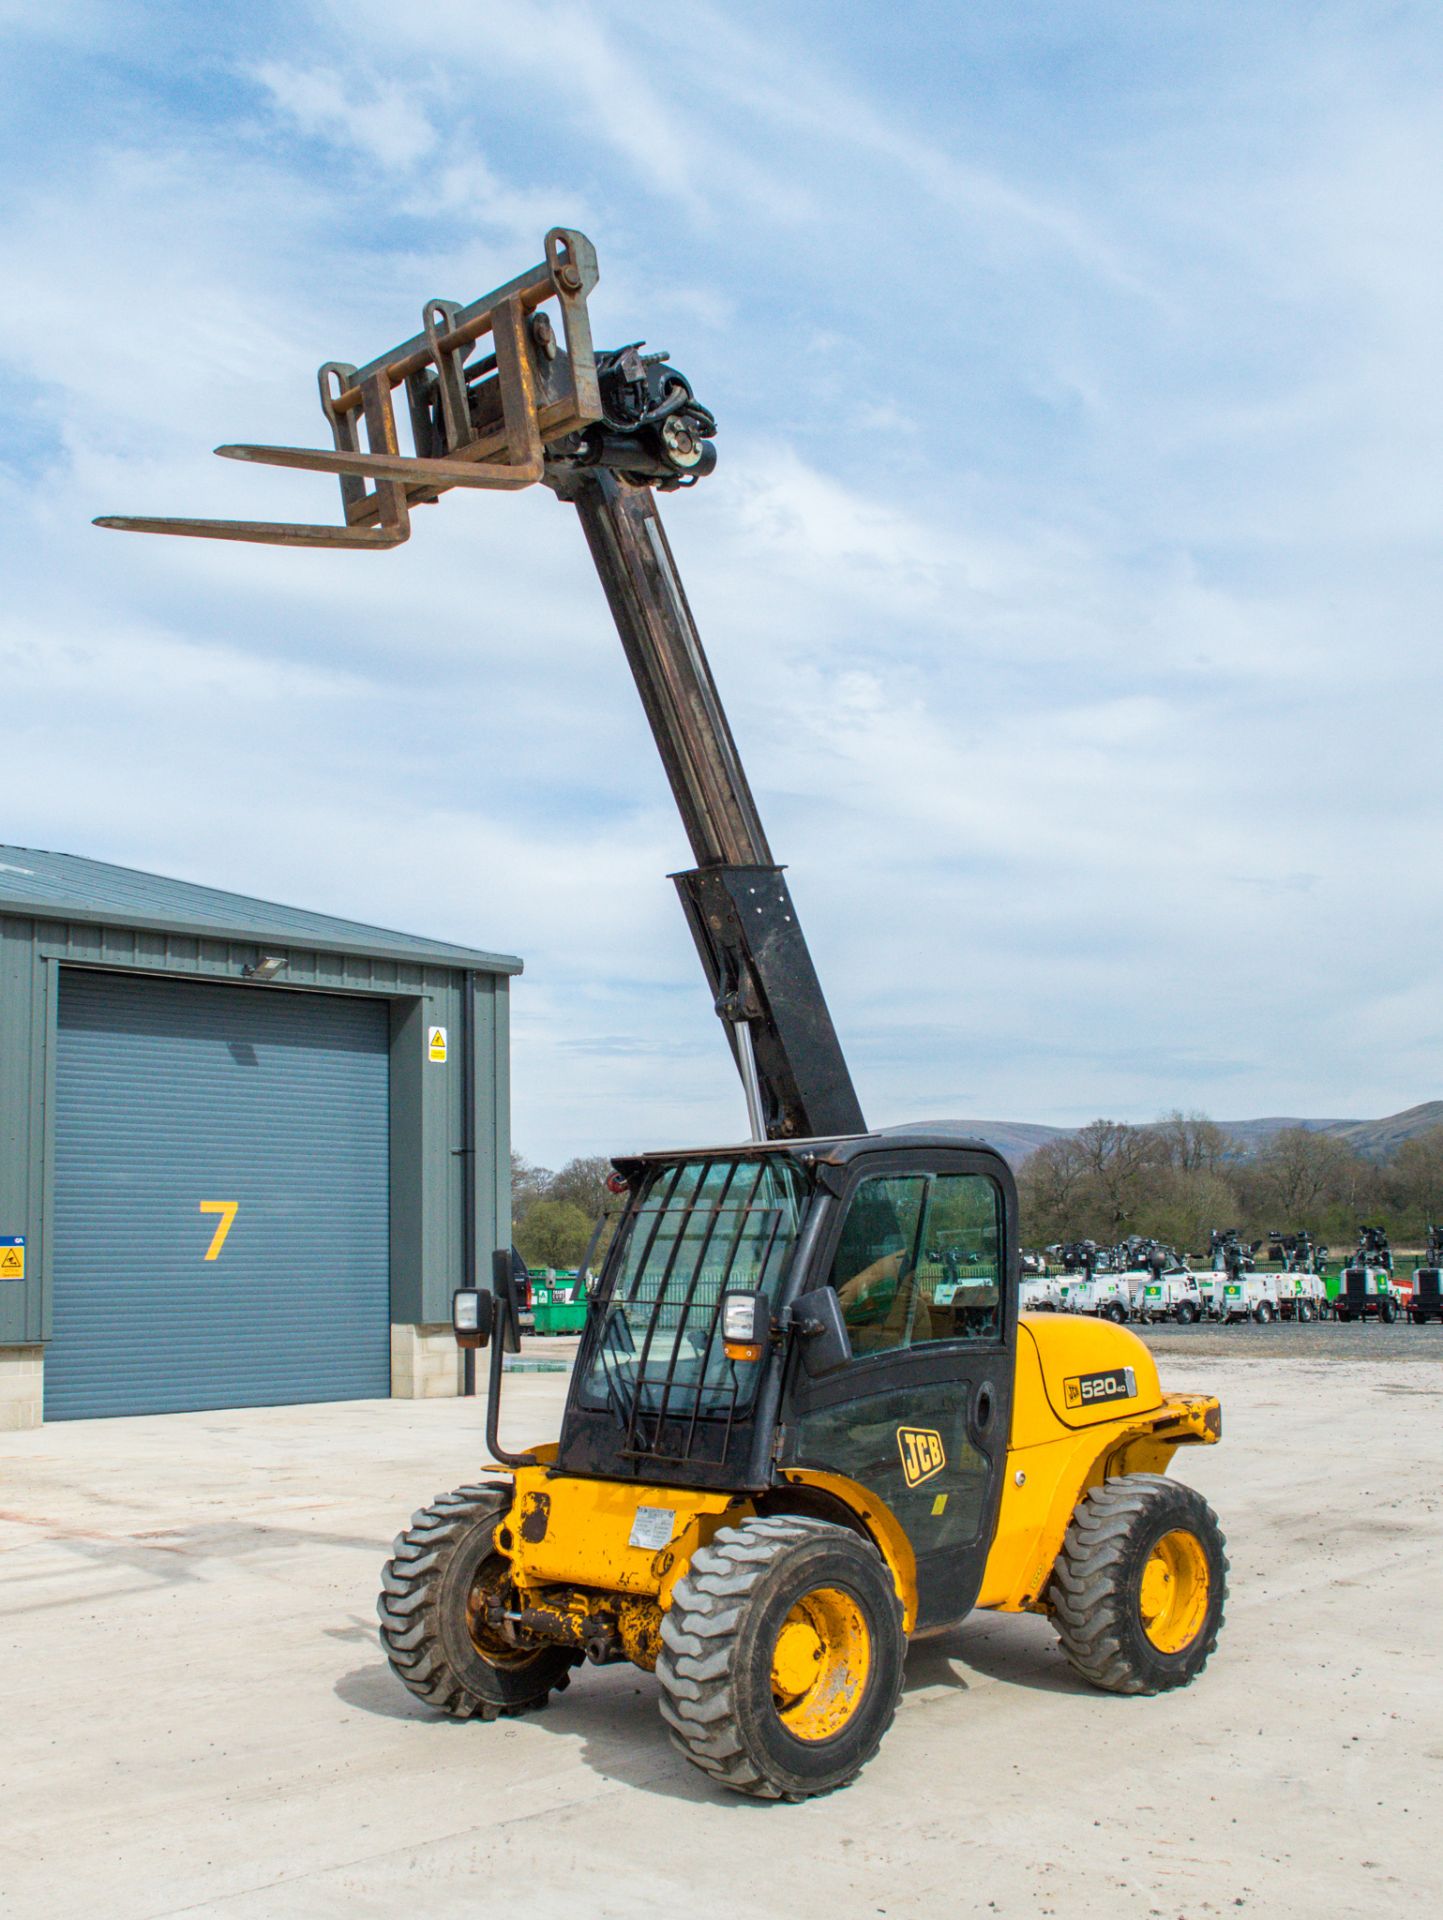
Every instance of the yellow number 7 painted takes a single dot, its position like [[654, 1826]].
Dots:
[[227, 1209]]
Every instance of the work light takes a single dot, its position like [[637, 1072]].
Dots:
[[746, 1325], [472, 1313]]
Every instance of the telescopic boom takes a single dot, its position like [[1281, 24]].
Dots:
[[605, 430]]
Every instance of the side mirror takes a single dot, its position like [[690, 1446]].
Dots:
[[508, 1309], [818, 1319], [473, 1314]]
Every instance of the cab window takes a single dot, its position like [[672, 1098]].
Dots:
[[920, 1259], [960, 1268]]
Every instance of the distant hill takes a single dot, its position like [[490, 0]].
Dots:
[[1377, 1139]]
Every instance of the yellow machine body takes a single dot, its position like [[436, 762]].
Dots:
[[585, 1556]]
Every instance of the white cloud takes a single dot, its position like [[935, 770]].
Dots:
[[380, 120], [1067, 572]]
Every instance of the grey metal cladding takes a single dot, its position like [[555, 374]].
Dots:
[[169, 1093], [67, 887]]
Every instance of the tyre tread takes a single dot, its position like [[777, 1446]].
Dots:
[[699, 1631], [408, 1613], [1087, 1592]]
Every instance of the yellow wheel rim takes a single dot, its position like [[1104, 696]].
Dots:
[[1173, 1596], [820, 1664]]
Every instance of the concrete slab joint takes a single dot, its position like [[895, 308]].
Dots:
[[425, 1363], [22, 1388]]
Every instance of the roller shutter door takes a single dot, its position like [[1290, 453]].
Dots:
[[221, 1198]]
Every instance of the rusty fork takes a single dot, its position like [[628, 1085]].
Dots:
[[544, 395]]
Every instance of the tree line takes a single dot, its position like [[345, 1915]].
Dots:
[[1179, 1178], [1174, 1181], [553, 1214]]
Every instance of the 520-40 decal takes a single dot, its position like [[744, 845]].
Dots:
[[1088, 1389]]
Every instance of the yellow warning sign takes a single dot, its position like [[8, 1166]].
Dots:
[[12, 1259], [436, 1045]]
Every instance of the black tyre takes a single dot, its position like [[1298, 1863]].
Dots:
[[1341, 1313], [1387, 1311], [1265, 1313], [782, 1657], [1186, 1313], [1138, 1590], [1305, 1310], [442, 1570], [1116, 1312]]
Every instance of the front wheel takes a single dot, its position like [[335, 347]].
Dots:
[[435, 1589], [1138, 1589], [782, 1656]]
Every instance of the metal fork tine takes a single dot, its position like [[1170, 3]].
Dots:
[[277, 533], [405, 467]]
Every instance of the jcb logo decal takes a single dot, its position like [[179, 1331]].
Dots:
[[922, 1453], [1087, 1389]]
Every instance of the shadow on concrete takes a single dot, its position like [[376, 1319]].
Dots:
[[932, 1667], [375, 1689], [1018, 1650], [612, 1711]]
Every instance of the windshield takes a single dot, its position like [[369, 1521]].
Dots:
[[701, 1229]]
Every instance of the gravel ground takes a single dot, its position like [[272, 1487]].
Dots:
[[1318, 1340]]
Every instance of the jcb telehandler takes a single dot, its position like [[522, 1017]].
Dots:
[[806, 1420]]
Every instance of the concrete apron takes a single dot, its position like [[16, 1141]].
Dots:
[[197, 1718]]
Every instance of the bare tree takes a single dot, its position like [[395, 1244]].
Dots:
[[1120, 1163], [1194, 1144], [583, 1183], [1416, 1179], [1305, 1179], [1050, 1187], [528, 1185]]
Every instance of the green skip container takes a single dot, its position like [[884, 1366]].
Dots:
[[558, 1303]]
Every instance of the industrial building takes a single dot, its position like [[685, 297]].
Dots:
[[246, 1151]]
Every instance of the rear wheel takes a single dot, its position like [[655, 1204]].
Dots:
[[1137, 1593], [443, 1572], [782, 1657], [1305, 1310]]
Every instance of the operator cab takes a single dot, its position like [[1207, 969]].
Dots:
[[883, 1272]]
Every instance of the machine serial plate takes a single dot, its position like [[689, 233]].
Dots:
[[652, 1528], [1087, 1389]]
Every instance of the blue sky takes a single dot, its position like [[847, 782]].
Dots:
[[1071, 569]]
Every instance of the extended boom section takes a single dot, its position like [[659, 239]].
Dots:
[[737, 902], [605, 429]]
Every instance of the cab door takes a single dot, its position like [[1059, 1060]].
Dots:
[[921, 1255]]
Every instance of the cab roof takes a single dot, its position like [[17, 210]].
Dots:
[[833, 1149]]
